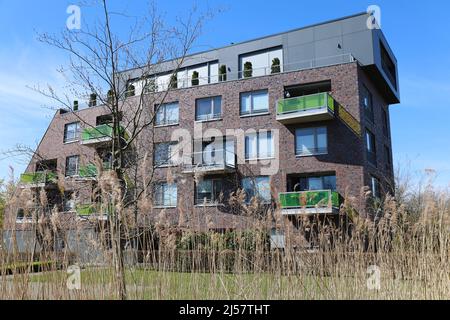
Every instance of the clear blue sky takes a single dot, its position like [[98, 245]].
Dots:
[[418, 32]]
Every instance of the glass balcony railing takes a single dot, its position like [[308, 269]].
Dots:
[[90, 170], [211, 160], [92, 209], [100, 132], [309, 199], [38, 178], [305, 103]]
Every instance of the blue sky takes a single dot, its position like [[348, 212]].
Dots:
[[416, 30]]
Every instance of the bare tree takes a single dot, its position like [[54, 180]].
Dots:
[[98, 55]]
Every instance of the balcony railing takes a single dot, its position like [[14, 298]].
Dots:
[[312, 107], [211, 160], [91, 209], [90, 170], [97, 134], [321, 201], [38, 178]]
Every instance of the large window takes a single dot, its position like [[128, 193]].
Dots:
[[387, 154], [368, 104], [208, 191], [375, 187], [314, 183], [258, 187], [311, 141], [167, 114], [254, 102], [166, 153], [259, 145], [71, 132], [208, 109], [371, 148], [72, 166], [165, 195]]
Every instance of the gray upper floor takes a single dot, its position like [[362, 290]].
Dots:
[[333, 42]]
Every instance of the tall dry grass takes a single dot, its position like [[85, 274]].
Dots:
[[322, 259]]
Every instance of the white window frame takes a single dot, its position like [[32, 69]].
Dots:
[[163, 109], [75, 133], [211, 115], [257, 145], [77, 166], [252, 111], [165, 187], [254, 182], [172, 159]]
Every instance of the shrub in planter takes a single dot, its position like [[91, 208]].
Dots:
[[223, 73], [173, 81], [130, 91], [194, 80], [276, 66], [248, 69]]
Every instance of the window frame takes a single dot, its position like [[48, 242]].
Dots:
[[370, 137], [77, 132], [258, 146], [170, 161], [211, 116], [165, 122], [317, 150], [256, 191], [173, 203], [375, 187], [215, 194], [252, 112], [369, 108], [77, 169]]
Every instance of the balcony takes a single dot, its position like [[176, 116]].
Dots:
[[91, 210], [37, 179], [315, 107], [97, 135], [309, 202], [216, 161], [90, 172]]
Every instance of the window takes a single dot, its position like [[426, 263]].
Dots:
[[259, 145], [254, 102], [208, 109], [69, 201], [71, 132], [311, 141], [165, 194], [166, 153], [375, 187], [368, 104], [208, 191], [258, 187], [385, 123], [371, 148], [167, 114], [315, 183], [72, 166]]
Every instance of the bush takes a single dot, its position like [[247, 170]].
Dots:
[[195, 81], [223, 73], [248, 69], [173, 81], [276, 66]]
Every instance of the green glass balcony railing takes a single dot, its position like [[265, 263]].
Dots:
[[305, 103], [38, 178], [92, 208], [99, 132], [90, 170], [309, 199]]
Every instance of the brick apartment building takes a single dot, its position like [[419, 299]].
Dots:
[[313, 107]]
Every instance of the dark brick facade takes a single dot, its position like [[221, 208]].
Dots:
[[346, 150]]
